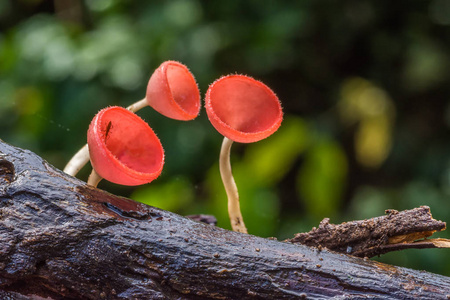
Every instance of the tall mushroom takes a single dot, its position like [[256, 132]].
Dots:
[[171, 90], [123, 148], [243, 110]]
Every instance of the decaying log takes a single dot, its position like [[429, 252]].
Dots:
[[60, 239], [367, 238]]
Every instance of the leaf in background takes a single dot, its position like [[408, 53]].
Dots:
[[426, 65], [259, 204], [264, 164], [372, 109], [373, 141], [322, 178], [173, 195], [272, 158], [369, 202]]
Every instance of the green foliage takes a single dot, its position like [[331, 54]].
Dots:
[[322, 178], [271, 159], [256, 174], [175, 195], [363, 85]]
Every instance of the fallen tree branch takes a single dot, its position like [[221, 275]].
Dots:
[[367, 238], [61, 239]]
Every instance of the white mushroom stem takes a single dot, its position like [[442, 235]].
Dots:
[[81, 158], [94, 178], [77, 161], [138, 105], [234, 210]]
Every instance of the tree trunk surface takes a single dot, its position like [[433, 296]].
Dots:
[[61, 239]]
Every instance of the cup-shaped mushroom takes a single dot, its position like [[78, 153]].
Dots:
[[173, 91], [243, 109], [123, 148]]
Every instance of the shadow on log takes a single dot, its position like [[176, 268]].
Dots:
[[60, 239]]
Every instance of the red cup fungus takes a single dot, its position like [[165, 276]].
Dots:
[[171, 90], [123, 148], [243, 110]]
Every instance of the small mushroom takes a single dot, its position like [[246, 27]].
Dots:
[[243, 110], [123, 148], [171, 90]]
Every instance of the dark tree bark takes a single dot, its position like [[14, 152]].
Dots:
[[367, 238], [64, 240]]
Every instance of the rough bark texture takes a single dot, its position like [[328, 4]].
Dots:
[[63, 240], [368, 238]]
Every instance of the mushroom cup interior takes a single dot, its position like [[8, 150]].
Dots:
[[183, 88], [131, 141], [243, 107]]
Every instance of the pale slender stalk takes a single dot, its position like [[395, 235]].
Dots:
[[94, 178], [78, 161], [138, 105], [81, 158], [234, 210]]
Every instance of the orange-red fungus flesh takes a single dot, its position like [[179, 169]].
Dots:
[[173, 91], [123, 148], [243, 109]]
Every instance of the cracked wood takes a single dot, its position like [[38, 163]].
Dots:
[[60, 239]]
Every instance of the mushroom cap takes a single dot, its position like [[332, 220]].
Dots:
[[243, 109], [173, 91], [123, 148]]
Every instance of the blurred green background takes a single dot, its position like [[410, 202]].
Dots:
[[364, 86]]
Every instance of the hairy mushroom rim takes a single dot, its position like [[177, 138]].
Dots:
[[123, 148], [173, 91], [243, 110]]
